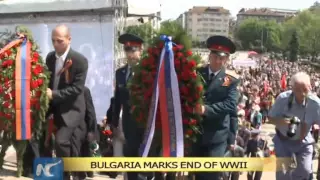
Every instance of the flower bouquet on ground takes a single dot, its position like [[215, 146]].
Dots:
[[186, 93], [23, 84]]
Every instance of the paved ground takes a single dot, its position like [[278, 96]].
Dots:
[[10, 165]]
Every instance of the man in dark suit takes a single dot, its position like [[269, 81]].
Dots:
[[219, 102], [67, 103], [91, 124], [133, 135], [256, 147]]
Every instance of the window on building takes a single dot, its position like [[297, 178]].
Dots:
[[205, 24], [205, 19], [199, 19], [218, 20]]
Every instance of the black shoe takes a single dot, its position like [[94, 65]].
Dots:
[[90, 174]]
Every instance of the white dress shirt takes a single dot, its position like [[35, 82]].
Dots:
[[210, 72], [59, 65]]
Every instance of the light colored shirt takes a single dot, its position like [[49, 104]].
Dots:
[[308, 112], [59, 65], [210, 72]]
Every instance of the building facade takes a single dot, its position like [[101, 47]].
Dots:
[[203, 22], [279, 15]]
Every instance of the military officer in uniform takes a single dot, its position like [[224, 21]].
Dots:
[[220, 101], [132, 134]]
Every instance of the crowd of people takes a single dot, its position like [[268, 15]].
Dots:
[[232, 120]]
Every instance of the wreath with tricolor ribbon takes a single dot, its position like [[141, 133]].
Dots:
[[23, 84], [190, 85]]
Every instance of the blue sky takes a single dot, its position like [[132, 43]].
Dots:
[[171, 9]]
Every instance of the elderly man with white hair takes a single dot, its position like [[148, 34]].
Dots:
[[301, 105]]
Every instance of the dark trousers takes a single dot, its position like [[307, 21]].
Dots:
[[235, 176], [254, 175], [35, 149], [213, 150], [85, 152], [68, 141]]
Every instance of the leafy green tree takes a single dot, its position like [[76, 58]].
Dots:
[[145, 31], [294, 47], [179, 34], [257, 34]]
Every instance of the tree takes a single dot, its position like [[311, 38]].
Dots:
[[179, 34], [145, 31], [259, 35], [294, 47]]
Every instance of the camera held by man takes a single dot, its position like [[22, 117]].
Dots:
[[294, 123]]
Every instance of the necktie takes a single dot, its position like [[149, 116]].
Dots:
[[211, 77], [129, 74]]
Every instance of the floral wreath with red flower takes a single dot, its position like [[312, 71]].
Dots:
[[38, 85], [190, 86]]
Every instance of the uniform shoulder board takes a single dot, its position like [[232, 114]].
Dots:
[[232, 73]]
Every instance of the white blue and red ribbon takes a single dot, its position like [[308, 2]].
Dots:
[[166, 92]]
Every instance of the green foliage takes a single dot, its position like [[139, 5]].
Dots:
[[179, 35], [145, 31], [294, 47], [254, 34], [151, 35], [275, 37]]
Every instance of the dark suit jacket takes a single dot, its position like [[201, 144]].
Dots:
[[220, 102], [90, 116], [131, 131], [68, 103], [110, 111], [233, 128]]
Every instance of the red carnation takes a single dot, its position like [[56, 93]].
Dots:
[[35, 57], [188, 109], [7, 84], [38, 93], [9, 116], [193, 75], [37, 106], [189, 132], [37, 70], [34, 101], [150, 51], [7, 97], [192, 64], [8, 53], [184, 90], [107, 132], [189, 53], [6, 104], [7, 63], [199, 88], [40, 82], [1, 90], [193, 122], [185, 121], [179, 54]]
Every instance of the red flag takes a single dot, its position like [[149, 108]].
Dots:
[[283, 82]]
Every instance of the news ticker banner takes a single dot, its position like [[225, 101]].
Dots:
[[171, 164]]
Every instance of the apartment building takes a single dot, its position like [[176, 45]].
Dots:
[[279, 15], [203, 22]]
